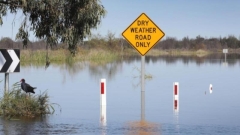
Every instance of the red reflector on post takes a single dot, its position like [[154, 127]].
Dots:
[[175, 104], [176, 96], [102, 88], [175, 89]]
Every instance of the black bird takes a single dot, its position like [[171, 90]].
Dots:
[[26, 87]]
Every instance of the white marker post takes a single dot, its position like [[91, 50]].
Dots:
[[176, 96], [210, 89], [103, 102], [225, 51]]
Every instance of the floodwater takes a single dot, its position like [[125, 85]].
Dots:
[[76, 88]]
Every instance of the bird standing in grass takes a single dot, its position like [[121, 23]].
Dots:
[[26, 87]]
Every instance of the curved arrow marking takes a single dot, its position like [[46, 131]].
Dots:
[[15, 60], [2, 60]]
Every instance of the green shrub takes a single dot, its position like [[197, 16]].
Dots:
[[17, 103]]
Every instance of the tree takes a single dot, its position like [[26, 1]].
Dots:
[[95, 41], [232, 41], [110, 38], [186, 43], [67, 21], [199, 39], [169, 43]]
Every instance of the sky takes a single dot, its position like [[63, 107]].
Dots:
[[176, 18]]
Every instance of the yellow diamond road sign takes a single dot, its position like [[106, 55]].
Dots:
[[143, 34]]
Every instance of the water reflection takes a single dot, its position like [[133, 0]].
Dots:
[[25, 126], [216, 58], [176, 122], [70, 69], [143, 128], [103, 119], [110, 69], [103, 115]]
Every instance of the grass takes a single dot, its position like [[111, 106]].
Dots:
[[146, 76], [15, 104], [96, 56], [61, 55], [175, 52], [93, 56]]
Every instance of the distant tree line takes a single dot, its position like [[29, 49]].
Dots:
[[8, 43], [199, 42], [212, 44], [112, 43]]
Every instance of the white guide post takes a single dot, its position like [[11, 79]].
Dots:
[[210, 89], [103, 102], [176, 96]]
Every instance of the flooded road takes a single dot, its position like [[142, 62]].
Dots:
[[76, 88]]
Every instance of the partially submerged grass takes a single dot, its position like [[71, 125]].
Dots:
[[15, 103], [177, 52], [97, 55], [40, 55], [93, 56], [146, 75], [64, 55]]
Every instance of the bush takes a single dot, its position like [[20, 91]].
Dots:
[[15, 103]]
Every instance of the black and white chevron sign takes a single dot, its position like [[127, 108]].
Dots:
[[9, 60]]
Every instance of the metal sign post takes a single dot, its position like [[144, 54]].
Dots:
[[9, 62], [143, 34], [6, 83], [225, 57], [143, 88], [225, 51]]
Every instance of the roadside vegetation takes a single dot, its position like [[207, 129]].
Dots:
[[17, 104], [62, 55], [109, 48]]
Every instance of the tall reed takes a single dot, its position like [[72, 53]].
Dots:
[[64, 55]]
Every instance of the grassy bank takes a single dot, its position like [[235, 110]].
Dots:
[[175, 52], [97, 55], [62, 55]]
